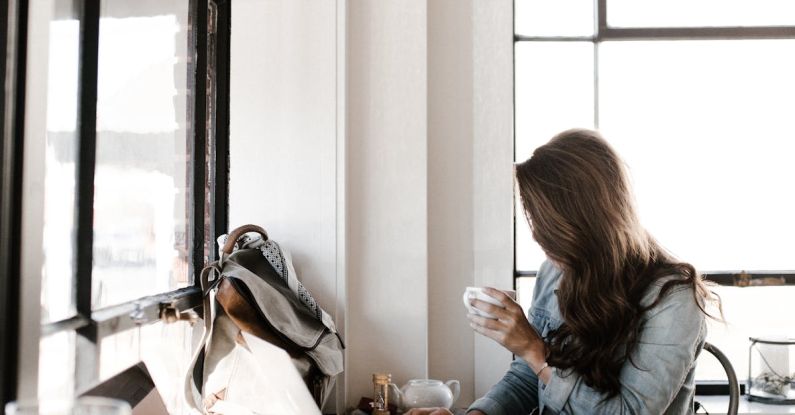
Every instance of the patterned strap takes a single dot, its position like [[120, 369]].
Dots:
[[273, 253]]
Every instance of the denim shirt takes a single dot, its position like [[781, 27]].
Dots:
[[671, 338]]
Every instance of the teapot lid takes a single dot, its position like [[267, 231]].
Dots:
[[425, 382]]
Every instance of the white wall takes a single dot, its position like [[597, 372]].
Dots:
[[374, 139], [465, 186], [283, 133]]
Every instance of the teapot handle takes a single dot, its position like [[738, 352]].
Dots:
[[398, 395], [455, 387]]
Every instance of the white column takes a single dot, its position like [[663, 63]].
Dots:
[[429, 188], [451, 215], [387, 222], [492, 164]]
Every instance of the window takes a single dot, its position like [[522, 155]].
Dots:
[[125, 135], [696, 97]]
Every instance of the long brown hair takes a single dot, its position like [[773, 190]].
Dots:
[[577, 198]]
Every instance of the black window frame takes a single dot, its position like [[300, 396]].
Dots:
[[13, 34], [602, 33], [209, 48]]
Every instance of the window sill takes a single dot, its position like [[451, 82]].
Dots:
[[717, 404]]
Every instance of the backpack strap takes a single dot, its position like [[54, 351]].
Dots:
[[210, 276], [209, 279]]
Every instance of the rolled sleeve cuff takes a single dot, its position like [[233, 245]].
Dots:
[[487, 406], [557, 391]]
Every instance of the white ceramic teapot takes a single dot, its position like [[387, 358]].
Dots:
[[427, 393]]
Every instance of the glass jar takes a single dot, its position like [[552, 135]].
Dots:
[[381, 383], [771, 370]]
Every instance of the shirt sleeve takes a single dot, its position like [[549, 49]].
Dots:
[[669, 342], [516, 393]]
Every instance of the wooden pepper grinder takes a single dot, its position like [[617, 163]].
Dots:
[[381, 383]]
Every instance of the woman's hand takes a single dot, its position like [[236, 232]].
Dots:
[[511, 328], [428, 411]]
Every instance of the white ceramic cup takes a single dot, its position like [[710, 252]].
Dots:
[[477, 293]]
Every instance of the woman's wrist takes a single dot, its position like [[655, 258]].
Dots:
[[534, 359], [544, 374], [541, 369], [539, 365]]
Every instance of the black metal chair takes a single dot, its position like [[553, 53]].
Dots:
[[734, 386]]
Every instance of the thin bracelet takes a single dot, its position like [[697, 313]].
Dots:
[[546, 365]]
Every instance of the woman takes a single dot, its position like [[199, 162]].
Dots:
[[616, 322]]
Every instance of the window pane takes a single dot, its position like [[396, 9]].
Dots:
[[51, 136], [529, 255], [166, 349], [142, 193], [554, 17], [706, 129], [211, 157], [57, 366], [524, 292], [691, 13], [750, 312], [554, 92]]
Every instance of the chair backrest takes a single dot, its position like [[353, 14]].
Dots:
[[734, 386]]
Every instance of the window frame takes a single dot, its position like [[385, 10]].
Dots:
[[13, 35], [209, 50], [602, 33]]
